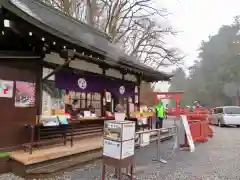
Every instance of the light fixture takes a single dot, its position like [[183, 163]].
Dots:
[[54, 43], [3, 33], [64, 47], [6, 23], [43, 39], [30, 33]]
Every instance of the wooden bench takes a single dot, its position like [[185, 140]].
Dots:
[[48, 135]]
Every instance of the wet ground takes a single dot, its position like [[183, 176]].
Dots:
[[218, 159]]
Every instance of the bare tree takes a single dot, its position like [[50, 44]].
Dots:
[[133, 24]]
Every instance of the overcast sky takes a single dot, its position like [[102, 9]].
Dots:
[[197, 19]]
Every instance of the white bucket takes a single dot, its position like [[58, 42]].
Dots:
[[120, 116]]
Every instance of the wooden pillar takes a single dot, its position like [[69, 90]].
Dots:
[[1, 19], [177, 99], [39, 90], [103, 111], [124, 99], [139, 80]]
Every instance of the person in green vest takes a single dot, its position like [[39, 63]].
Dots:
[[160, 111]]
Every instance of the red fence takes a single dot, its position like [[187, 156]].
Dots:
[[186, 111], [199, 127]]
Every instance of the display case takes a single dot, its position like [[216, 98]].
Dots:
[[119, 142], [119, 130]]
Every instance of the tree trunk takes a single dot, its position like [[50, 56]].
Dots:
[[91, 10]]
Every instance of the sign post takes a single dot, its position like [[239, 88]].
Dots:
[[184, 132], [118, 146]]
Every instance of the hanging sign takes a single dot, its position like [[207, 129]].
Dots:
[[136, 99], [122, 90], [108, 97], [136, 89], [6, 89], [130, 99], [79, 82]]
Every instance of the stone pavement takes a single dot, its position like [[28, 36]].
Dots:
[[218, 159]]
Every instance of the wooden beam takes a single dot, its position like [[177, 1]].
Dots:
[[103, 108], [19, 55], [39, 90], [57, 70]]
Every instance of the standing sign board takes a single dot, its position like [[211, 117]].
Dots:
[[118, 150], [144, 139], [185, 130], [119, 139]]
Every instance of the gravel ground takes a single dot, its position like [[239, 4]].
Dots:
[[218, 159]]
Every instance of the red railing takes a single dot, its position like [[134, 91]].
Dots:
[[199, 127], [186, 111]]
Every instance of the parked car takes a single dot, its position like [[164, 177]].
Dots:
[[225, 115]]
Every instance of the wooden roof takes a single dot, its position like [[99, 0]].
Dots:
[[75, 32]]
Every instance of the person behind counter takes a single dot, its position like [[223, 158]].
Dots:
[[92, 110], [72, 108], [119, 108]]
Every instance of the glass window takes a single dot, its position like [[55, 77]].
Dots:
[[219, 110], [53, 98], [232, 110], [87, 99]]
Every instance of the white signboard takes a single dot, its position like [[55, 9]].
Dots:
[[49, 121], [118, 150], [184, 128], [112, 149], [128, 131], [87, 113], [128, 148], [108, 97], [136, 89], [144, 139]]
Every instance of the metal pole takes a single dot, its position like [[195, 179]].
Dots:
[[159, 159], [176, 146], [158, 144]]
